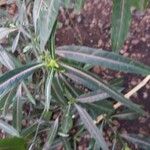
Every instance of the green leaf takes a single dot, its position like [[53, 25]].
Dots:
[[105, 87], [140, 4], [91, 127], [121, 18], [7, 102], [126, 116], [94, 96], [22, 14], [81, 81], [51, 135], [15, 42], [136, 3], [98, 108], [47, 20], [36, 11], [27, 132], [5, 59], [69, 86], [17, 109], [58, 90], [51, 43], [48, 89], [12, 78], [5, 32], [146, 4], [79, 4], [67, 121], [143, 142], [3, 99], [105, 59], [28, 94], [27, 48], [12, 144], [8, 128]]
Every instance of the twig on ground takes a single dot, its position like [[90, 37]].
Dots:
[[128, 95]]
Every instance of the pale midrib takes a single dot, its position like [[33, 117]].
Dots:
[[48, 90], [96, 57], [18, 75], [92, 98]]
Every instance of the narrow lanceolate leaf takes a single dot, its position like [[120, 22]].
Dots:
[[144, 143], [15, 42], [81, 81], [79, 4], [121, 18], [140, 4], [91, 127], [48, 89], [58, 90], [69, 86], [28, 94], [5, 59], [17, 109], [94, 96], [11, 78], [8, 129], [103, 58], [104, 107], [105, 87], [58, 94], [51, 135], [47, 20], [36, 11], [5, 31], [67, 121], [7, 99]]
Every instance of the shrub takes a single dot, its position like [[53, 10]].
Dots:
[[51, 81]]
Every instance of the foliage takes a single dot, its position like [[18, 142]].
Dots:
[[46, 79], [121, 20], [12, 144]]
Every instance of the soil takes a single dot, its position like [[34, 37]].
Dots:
[[91, 27]]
